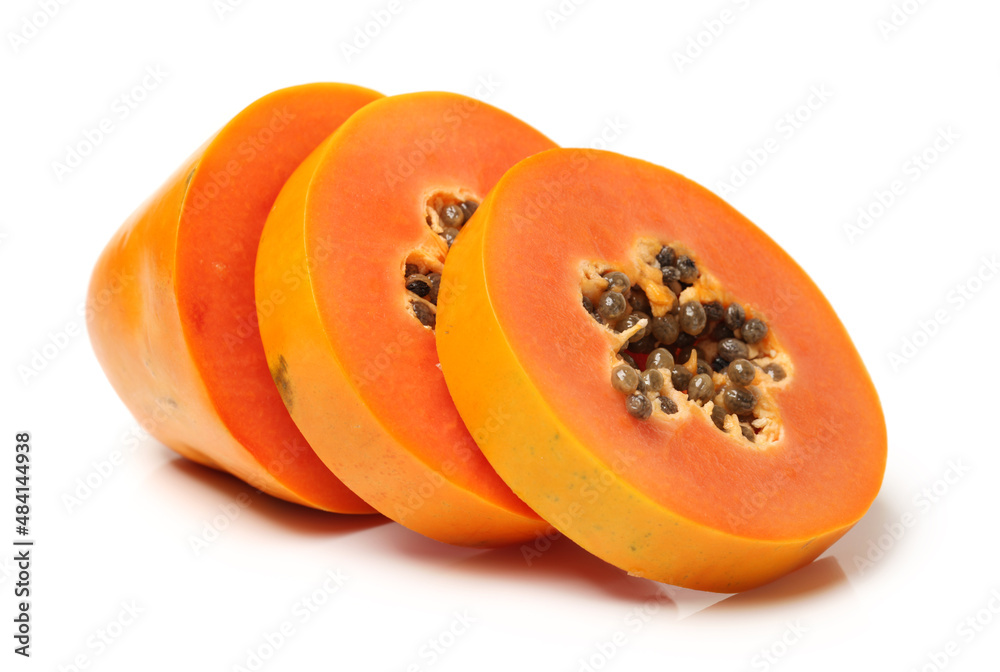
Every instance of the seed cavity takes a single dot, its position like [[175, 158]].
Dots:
[[445, 216], [682, 345]]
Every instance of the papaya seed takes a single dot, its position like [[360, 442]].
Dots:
[[452, 216], [644, 346], [611, 306], [692, 317], [735, 315], [666, 256], [731, 349], [435, 281], [666, 329], [661, 358], [652, 380], [753, 331], [631, 321], [424, 313], [741, 372], [713, 311], [638, 406], [468, 208], [450, 233], [680, 377], [624, 379], [419, 285], [701, 388], [667, 405], [688, 269], [738, 400], [776, 371], [618, 282], [670, 275], [638, 300]]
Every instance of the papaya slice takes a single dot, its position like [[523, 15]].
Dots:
[[684, 403], [346, 277], [175, 326]]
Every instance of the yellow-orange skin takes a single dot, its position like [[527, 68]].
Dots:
[[148, 280], [671, 498], [330, 274]]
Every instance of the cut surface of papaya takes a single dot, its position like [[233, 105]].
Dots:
[[347, 279], [684, 402], [175, 325]]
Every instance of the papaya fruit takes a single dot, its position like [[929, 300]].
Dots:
[[347, 277], [178, 339], [683, 401]]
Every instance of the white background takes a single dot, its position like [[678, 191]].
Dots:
[[607, 66]]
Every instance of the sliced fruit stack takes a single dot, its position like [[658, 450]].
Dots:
[[419, 306]]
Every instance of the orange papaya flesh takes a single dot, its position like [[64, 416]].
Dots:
[[179, 340], [358, 370], [669, 497]]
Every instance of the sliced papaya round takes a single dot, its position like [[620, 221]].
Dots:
[[683, 401], [347, 281], [175, 325]]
